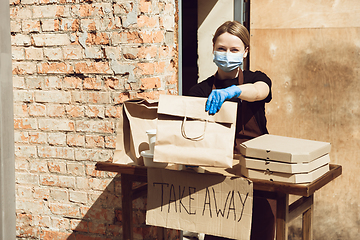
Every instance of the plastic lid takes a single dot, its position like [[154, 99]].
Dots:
[[151, 131], [147, 154]]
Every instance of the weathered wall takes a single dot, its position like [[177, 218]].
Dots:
[[74, 64], [311, 51]]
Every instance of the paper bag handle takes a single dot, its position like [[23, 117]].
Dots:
[[198, 138]]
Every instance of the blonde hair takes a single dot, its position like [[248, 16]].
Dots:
[[234, 28]]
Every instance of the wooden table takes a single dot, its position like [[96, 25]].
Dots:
[[262, 188]]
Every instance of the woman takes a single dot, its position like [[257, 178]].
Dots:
[[251, 90]]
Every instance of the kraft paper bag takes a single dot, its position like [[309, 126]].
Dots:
[[137, 116], [186, 134], [205, 203]]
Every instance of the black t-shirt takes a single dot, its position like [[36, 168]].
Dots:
[[257, 108]]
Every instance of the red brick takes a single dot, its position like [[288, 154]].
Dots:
[[79, 225], [112, 83], [34, 54], [60, 223], [97, 38], [56, 125], [54, 235], [56, 152], [80, 236], [94, 141], [93, 67], [121, 97], [95, 155], [72, 82], [14, 2], [27, 178], [150, 95], [31, 26], [166, 52], [53, 53], [99, 213], [92, 83], [115, 230], [95, 111], [75, 140], [76, 169], [152, 37], [57, 167], [55, 110], [88, 24], [38, 166], [21, 137], [148, 52], [146, 21], [25, 123], [41, 193], [55, 68], [72, 52], [75, 111], [37, 137], [20, 110], [113, 111], [52, 97], [47, 39], [20, 68], [90, 171], [145, 68], [85, 10], [97, 228], [98, 97], [37, 110], [132, 37], [145, 6], [160, 67], [150, 83], [52, 82], [42, 221], [57, 138]]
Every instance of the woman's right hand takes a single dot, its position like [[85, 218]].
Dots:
[[218, 96]]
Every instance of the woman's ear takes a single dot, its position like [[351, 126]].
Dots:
[[246, 52]]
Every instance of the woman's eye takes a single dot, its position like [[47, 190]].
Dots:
[[235, 50], [221, 49]]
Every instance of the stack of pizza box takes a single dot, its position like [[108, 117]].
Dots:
[[283, 159]]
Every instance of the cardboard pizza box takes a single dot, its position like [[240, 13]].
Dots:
[[276, 166], [284, 149], [284, 177]]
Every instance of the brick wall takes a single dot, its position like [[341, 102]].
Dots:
[[74, 63]]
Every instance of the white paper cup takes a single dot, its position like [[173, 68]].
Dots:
[[148, 160], [152, 138]]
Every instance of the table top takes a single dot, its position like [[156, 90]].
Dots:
[[262, 185]]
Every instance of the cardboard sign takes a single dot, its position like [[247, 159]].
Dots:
[[205, 203]]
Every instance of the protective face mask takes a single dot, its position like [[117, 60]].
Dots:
[[228, 61]]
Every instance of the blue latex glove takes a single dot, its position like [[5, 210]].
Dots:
[[218, 96]]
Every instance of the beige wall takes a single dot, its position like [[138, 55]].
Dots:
[[311, 51], [211, 14]]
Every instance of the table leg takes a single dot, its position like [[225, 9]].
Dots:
[[307, 223], [282, 209], [127, 213]]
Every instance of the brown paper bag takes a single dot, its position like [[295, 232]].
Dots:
[[137, 116], [186, 134]]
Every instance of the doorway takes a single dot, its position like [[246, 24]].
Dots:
[[198, 22]]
